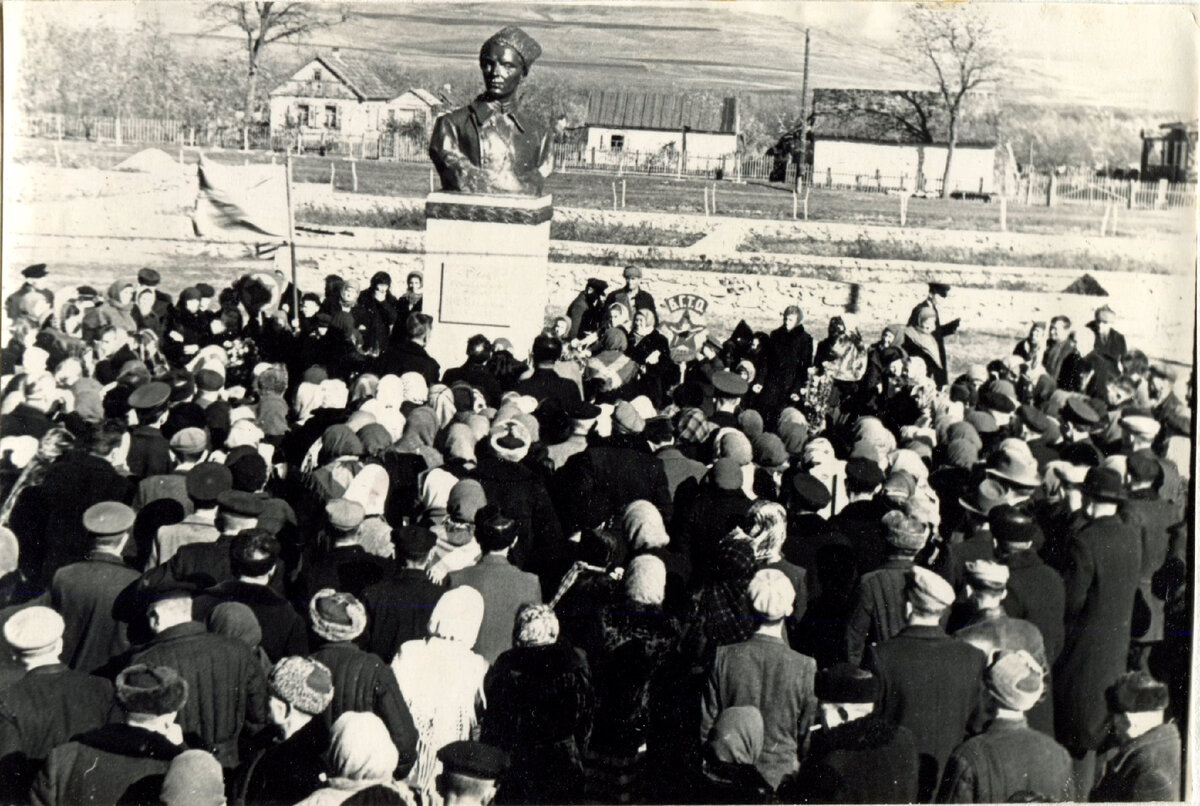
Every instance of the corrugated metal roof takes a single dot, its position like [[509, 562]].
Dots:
[[645, 110]]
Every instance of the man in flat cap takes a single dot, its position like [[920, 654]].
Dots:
[[346, 566], [930, 681], [46, 707], [765, 673], [469, 773], [632, 293], [878, 612], [84, 592], [490, 146], [857, 756], [1146, 764], [1009, 758], [227, 689], [101, 765], [203, 485], [399, 606], [32, 285]]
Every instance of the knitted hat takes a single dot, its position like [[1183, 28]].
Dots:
[[927, 590], [1016, 680], [195, 778], [769, 452], [303, 683], [156, 690], [845, 682], [535, 625], [751, 423], [336, 616], [772, 595]]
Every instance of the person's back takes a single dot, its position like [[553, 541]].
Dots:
[[84, 593], [868, 760], [1009, 757]]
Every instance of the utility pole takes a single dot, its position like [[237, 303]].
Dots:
[[803, 115]]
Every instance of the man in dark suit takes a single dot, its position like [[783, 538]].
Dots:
[[475, 372], [504, 587], [546, 385], [1110, 343], [931, 682], [399, 607], [940, 330], [408, 354]]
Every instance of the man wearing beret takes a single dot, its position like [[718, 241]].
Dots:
[[857, 756], [84, 592], [227, 689], [1146, 764], [930, 681], [100, 766], [469, 773], [490, 145], [1102, 572], [399, 607], [1009, 758], [46, 707]]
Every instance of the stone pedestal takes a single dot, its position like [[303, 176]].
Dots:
[[485, 270]]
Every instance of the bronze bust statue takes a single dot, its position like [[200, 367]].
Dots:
[[489, 146]]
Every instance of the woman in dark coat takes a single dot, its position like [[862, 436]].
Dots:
[[540, 709], [652, 352], [376, 313], [786, 360], [187, 327]]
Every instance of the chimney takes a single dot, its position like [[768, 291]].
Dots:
[[335, 51]]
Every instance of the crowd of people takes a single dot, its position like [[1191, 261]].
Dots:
[[259, 547]]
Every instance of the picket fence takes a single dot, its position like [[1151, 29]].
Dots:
[[1035, 189]]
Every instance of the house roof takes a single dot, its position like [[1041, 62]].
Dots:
[[644, 110], [352, 72], [895, 116], [425, 96]]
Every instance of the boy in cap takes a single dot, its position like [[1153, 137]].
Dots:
[[930, 681], [399, 606], [84, 592], [149, 450], [361, 681], [290, 762], [48, 705], [224, 678], [857, 756], [632, 294], [203, 485], [765, 673], [469, 773], [1146, 764], [879, 612], [346, 566], [1009, 758], [464, 138], [100, 766]]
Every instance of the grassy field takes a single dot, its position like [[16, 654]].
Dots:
[[664, 194]]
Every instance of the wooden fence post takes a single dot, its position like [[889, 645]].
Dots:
[[1004, 214], [354, 174], [1160, 197], [795, 203], [903, 209], [614, 194], [333, 176], [622, 194], [714, 198], [431, 176], [1132, 190], [1051, 190], [706, 201], [245, 138]]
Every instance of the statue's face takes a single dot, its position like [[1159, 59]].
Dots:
[[502, 68]]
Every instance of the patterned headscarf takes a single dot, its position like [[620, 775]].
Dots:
[[536, 625]]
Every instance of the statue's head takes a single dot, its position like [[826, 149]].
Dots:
[[505, 59]]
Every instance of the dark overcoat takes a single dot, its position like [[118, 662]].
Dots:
[[1144, 769], [84, 593], [398, 610], [1006, 759], [1036, 594], [867, 760], [100, 766]]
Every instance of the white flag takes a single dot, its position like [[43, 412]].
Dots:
[[241, 202]]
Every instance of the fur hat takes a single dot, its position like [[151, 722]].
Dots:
[[535, 625], [511, 440], [903, 532], [303, 683], [156, 690], [336, 616], [1136, 692]]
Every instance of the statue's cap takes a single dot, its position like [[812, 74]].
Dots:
[[518, 40]]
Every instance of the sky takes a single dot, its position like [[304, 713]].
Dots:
[[1135, 55]]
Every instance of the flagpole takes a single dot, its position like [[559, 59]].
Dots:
[[292, 244]]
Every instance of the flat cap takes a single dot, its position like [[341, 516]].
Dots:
[[1140, 425], [735, 445], [987, 575], [189, 440], [513, 37], [414, 542], [1136, 692], [941, 289], [150, 395], [344, 514], [207, 480], [772, 595], [983, 422], [1144, 466], [206, 290], [865, 473], [727, 474], [208, 380], [1080, 412], [237, 502], [1034, 419], [809, 492], [33, 630], [149, 277], [108, 518], [769, 452], [34, 272], [729, 384], [845, 682], [632, 272], [626, 418], [189, 293], [597, 284], [927, 590], [473, 759]]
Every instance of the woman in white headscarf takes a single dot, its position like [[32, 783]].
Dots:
[[370, 488], [361, 755], [442, 683]]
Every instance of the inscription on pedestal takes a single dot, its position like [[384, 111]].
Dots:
[[475, 294]]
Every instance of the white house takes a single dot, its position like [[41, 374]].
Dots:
[[341, 96], [893, 139], [649, 123]]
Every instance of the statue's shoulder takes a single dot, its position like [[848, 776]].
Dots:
[[455, 118]]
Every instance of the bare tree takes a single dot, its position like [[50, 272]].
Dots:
[[268, 22], [958, 49]]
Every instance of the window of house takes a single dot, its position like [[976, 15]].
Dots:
[[331, 117], [617, 143], [316, 74], [302, 114]]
